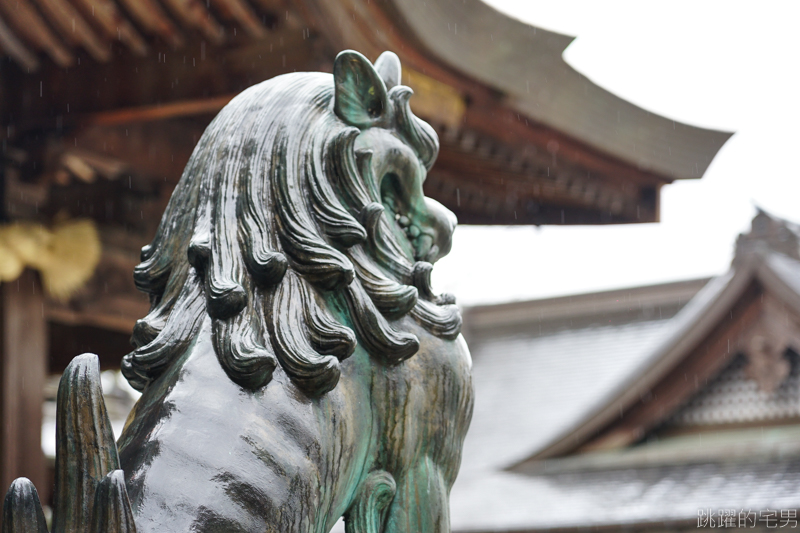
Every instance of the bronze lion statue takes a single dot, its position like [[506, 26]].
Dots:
[[295, 366]]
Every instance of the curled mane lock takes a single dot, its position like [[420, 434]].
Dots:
[[277, 234]]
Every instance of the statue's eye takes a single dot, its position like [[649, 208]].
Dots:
[[375, 106]]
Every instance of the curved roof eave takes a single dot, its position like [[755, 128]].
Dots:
[[526, 64], [776, 272]]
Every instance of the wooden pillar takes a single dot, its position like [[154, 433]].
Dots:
[[23, 369]]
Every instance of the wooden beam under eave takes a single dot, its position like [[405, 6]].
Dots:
[[485, 190], [152, 113], [513, 128], [23, 368], [58, 98]]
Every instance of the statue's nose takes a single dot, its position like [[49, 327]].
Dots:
[[443, 222]]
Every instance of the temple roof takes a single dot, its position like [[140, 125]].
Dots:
[[530, 70], [525, 138], [542, 369], [655, 498], [591, 357]]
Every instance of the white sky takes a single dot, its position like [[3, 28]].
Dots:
[[717, 64]]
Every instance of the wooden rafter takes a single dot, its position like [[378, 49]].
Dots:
[[58, 99], [74, 28], [114, 25]]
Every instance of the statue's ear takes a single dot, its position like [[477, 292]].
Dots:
[[360, 98], [388, 66]]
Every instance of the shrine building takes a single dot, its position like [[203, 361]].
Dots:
[[661, 408]]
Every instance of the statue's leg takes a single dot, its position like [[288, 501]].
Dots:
[[368, 512], [421, 503]]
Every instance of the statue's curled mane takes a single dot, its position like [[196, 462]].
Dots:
[[277, 231]]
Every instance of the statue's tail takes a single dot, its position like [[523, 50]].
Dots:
[[90, 494]]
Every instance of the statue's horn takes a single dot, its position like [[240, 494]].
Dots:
[[112, 509], [85, 447], [22, 512]]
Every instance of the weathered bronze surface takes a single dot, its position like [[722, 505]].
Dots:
[[295, 366]]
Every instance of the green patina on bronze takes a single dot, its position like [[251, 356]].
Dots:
[[295, 366]]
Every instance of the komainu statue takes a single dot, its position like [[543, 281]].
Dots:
[[295, 366]]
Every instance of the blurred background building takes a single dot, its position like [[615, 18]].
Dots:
[[103, 101], [659, 408]]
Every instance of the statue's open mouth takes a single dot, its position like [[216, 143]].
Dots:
[[427, 232], [421, 239], [409, 215]]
